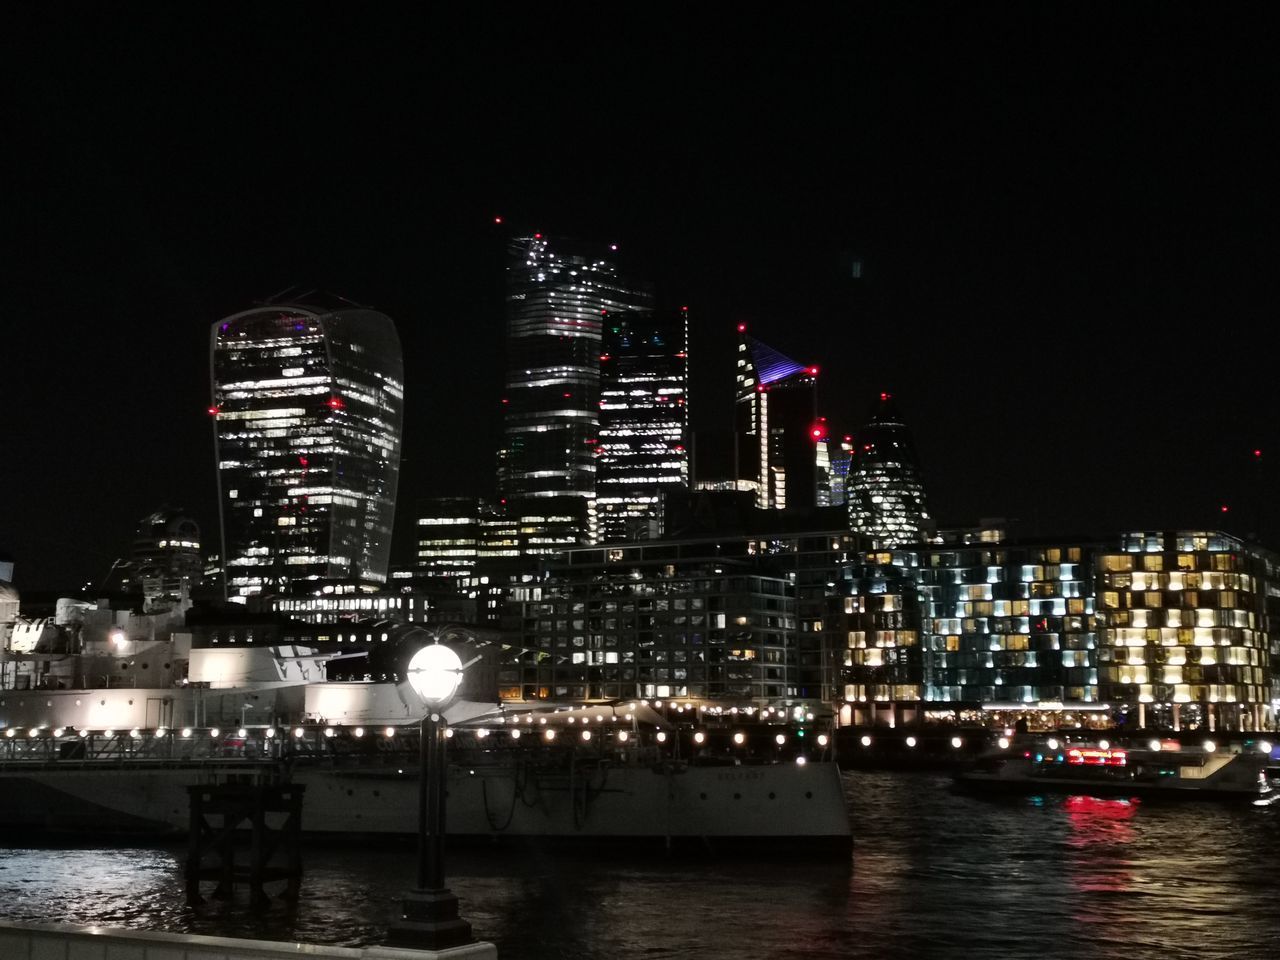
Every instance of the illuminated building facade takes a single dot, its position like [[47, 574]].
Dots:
[[166, 563], [558, 291], [1188, 630], [448, 536], [307, 409], [644, 421], [777, 426], [885, 489], [1161, 630]]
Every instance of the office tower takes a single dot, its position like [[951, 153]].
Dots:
[[885, 489], [448, 536], [166, 564], [777, 426], [557, 293], [644, 418], [308, 400]]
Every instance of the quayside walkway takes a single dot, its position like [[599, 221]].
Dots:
[[33, 941]]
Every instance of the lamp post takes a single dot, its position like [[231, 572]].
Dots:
[[430, 919]]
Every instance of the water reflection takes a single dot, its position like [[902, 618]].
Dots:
[[934, 874]]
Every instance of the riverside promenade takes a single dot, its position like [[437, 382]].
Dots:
[[34, 941]]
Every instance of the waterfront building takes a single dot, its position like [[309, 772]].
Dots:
[[644, 421], [727, 618], [776, 425], [1169, 630], [1188, 629], [558, 291], [166, 563], [885, 488], [307, 410]]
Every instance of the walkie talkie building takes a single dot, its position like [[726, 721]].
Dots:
[[307, 409]]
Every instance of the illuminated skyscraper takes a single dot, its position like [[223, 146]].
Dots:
[[557, 293], [777, 425], [885, 489], [308, 400], [644, 419]]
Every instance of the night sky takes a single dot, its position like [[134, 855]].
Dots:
[[1067, 226]]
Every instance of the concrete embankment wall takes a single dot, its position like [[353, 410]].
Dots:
[[24, 941]]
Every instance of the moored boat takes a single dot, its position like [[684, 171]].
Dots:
[[1101, 768]]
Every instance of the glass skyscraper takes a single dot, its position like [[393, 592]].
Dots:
[[885, 489], [307, 409], [644, 418], [558, 292]]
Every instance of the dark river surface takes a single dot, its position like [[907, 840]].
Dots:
[[934, 874]]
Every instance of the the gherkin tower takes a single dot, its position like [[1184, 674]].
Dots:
[[885, 487]]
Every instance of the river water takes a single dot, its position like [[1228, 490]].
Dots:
[[934, 874]]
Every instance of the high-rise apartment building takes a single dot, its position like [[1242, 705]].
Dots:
[[558, 292], [644, 421], [885, 488], [307, 407], [776, 425]]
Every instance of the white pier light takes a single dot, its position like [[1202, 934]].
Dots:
[[1154, 746], [161, 732], [662, 736], [1003, 743], [1264, 746], [549, 733], [186, 733], [329, 732], [699, 737], [623, 736], [1210, 746], [242, 733], [33, 732], [108, 733], [59, 731], [586, 735], [957, 742], [780, 739], [1052, 744], [135, 733], [801, 761], [823, 739], [84, 734], [390, 732], [298, 732], [866, 741], [739, 738], [1104, 744], [911, 741], [515, 734], [358, 732], [213, 732], [271, 732]]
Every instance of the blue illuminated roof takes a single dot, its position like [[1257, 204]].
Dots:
[[771, 365]]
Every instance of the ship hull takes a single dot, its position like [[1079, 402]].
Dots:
[[786, 803]]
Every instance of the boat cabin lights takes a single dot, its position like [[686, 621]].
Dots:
[[1090, 757]]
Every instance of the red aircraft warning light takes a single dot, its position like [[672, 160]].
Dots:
[[214, 411], [813, 371], [742, 328], [335, 403], [1225, 508], [885, 396], [497, 219]]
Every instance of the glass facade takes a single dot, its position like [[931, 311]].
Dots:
[[776, 416], [307, 411], [557, 294], [644, 421], [1187, 629], [1167, 630], [448, 536], [885, 489]]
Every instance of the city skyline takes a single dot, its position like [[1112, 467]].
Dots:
[[1049, 278]]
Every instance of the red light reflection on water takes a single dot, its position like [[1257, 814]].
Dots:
[[1101, 832]]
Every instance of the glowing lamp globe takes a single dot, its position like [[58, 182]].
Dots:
[[435, 673]]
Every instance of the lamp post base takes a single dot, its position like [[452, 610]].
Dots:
[[430, 922]]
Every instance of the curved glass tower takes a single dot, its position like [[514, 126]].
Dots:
[[308, 403], [885, 488]]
